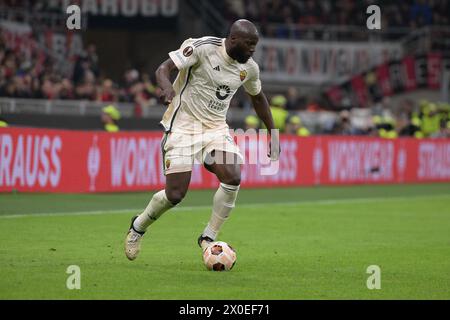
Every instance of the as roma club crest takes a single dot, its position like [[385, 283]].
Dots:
[[187, 52], [243, 75], [168, 163]]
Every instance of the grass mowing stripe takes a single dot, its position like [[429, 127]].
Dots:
[[318, 247], [244, 205], [24, 203]]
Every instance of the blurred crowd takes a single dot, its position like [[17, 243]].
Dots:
[[301, 13], [418, 119], [421, 119], [33, 5], [33, 75]]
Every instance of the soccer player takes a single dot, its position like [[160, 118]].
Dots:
[[210, 71]]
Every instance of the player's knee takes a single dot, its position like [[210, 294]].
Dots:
[[175, 196], [233, 180]]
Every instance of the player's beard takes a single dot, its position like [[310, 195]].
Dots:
[[241, 58]]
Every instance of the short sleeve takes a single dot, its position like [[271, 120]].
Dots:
[[186, 56], [253, 85]]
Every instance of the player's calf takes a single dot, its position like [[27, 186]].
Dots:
[[139, 224], [223, 203]]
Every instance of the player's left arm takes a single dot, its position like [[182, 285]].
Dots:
[[262, 109], [253, 87]]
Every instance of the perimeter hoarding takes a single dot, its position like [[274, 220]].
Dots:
[[42, 160]]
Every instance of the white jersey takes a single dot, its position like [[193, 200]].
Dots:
[[207, 80]]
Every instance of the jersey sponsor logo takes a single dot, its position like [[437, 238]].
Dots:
[[223, 92], [187, 52], [217, 68], [243, 75], [217, 105]]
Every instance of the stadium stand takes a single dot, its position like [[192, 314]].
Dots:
[[29, 70], [303, 19]]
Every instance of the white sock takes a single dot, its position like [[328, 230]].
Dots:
[[156, 207], [223, 203]]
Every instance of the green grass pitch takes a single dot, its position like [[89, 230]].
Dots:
[[292, 243]]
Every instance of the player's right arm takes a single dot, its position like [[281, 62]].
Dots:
[[185, 57], [163, 79]]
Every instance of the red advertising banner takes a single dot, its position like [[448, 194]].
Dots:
[[434, 70], [410, 81], [397, 76], [360, 89], [41, 160]]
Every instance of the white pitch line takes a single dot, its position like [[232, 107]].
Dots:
[[245, 205]]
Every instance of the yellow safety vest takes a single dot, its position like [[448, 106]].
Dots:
[[430, 124], [279, 117], [112, 127], [419, 135], [391, 134], [303, 132]]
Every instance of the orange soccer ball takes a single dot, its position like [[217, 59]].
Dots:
[[219, 256]]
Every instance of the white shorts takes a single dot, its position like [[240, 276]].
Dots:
[[181, 151]]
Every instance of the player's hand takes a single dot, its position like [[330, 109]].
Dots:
[[274, 148], [167, 96], [274, 152]]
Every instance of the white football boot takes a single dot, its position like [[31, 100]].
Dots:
[[204, 242], [133, 242]]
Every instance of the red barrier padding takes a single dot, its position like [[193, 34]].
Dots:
[[42, 160]]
